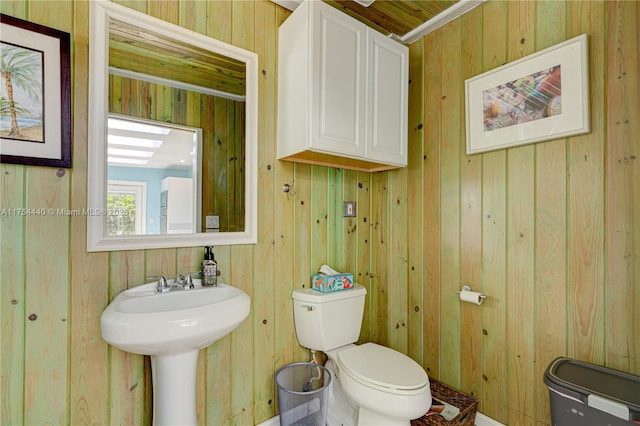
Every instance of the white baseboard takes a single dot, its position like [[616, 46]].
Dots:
[[481, 420], [273, 421]]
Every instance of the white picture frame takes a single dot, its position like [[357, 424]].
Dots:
[[540, 97]]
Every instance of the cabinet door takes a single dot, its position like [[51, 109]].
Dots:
[[387, 104], [338, 82]]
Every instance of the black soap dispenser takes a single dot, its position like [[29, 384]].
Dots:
[[209, 268]]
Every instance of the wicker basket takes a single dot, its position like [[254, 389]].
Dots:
[[443, 393]]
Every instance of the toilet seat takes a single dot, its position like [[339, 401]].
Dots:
[[383, 368]]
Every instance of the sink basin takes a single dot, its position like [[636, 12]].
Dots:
[[172, 327], [142, 321]]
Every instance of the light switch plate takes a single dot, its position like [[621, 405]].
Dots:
[[349, 209], [212, 222]]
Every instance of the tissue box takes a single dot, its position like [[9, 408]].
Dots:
[[329, 283]]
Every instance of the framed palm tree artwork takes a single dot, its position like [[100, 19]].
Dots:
[[35, 94]]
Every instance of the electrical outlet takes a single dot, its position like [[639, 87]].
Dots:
[[349, 209]]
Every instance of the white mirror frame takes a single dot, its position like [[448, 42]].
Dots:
[[101, 11]]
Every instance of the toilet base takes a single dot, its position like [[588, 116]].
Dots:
[[369, 418], [342, 411]]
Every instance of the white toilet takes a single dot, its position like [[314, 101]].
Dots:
[[388, 387]]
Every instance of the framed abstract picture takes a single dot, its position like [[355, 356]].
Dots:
[[540, 97], [35, 94]]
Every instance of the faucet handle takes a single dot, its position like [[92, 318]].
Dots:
[[189, 281], [162, 283]]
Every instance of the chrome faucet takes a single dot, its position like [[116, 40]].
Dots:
[[163, 286], [185, 281]]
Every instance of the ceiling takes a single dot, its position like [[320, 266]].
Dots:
[[147, 144], [140, 54], [393, 17], [403, 20], [155, 55]]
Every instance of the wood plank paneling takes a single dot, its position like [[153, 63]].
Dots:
[[285, 267], [397, 262], [450, 151], [12, 274], [89, 400], [586, 207], [319, 217], [219, 360], [47, 277], [432, 114], [550, 267], [335, 190], [12, 293], [623, 186], [242, 274], [520, 243], [242, 375], [263, 296], [127, 372], [47, 299], [542, 237], [555, 223], [363, 247], [415, 207], [520, 285], [345, 253], [380, 257], [494, 221], [471, 221]]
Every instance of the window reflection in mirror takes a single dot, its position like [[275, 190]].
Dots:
[[126, 204]]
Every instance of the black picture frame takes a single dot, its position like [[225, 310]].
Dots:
[[48, 141]]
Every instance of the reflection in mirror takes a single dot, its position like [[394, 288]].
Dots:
[[154, 77], [180, 138], [153, 177]]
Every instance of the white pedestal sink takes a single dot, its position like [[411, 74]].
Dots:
[[172, 327]]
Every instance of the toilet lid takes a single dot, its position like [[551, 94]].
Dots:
[[382, 366]]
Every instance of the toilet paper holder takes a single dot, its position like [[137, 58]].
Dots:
[[467, 288]]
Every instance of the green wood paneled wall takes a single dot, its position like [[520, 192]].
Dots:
[[550, 232]]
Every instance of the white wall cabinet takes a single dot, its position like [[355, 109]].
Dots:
[[176, 206], [342, 92]]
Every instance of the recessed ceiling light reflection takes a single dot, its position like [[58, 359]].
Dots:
[[135, 126], [129, 152], [136, 161], [139, 143]]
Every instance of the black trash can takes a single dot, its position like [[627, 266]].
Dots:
[[303, 393], [586, 394]]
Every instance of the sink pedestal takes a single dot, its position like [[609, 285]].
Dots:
[[174, 388], [172, 327]]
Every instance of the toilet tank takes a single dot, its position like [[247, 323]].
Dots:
[[326, 321]]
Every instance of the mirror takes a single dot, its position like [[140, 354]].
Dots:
[[172, 135]]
